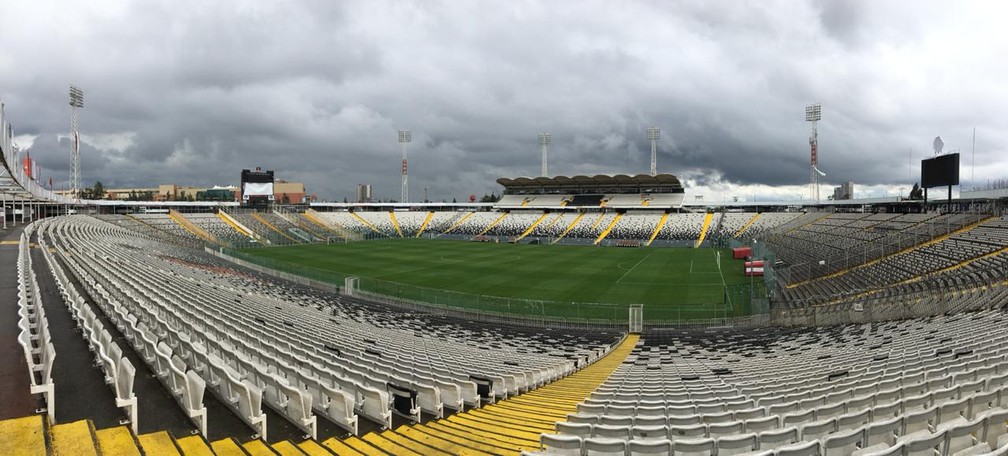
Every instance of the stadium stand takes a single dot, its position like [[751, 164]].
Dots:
[[219, 228], [931, 386]]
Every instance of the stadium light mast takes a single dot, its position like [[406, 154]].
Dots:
[[405, 137], [544, 142], [654, 133], [813, 113], [76, 102]]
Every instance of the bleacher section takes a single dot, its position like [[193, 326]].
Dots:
[[973, 256], [219, 228], [201, 326], [933, 386]]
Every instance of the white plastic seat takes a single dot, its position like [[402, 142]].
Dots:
[[842, 443], [583, 430], [693, 447], [965, 435], [799, 449], [772, 439], [736, 444], [925, 444], [561, 445], [600, 446], [649, 447]]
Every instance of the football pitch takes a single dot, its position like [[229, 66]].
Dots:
[[559, 280]]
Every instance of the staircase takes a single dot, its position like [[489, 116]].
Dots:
[[34, 435]]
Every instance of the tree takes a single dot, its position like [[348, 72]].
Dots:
[[98, 191]]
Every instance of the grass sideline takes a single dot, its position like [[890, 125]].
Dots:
[[672, 283]]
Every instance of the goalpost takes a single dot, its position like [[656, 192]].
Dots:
[[336, 240]]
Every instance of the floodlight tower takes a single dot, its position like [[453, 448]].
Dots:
[[544, 142], [813, 113], [654, 133], [405, 137], [76, 102]]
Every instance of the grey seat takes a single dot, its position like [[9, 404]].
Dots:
[[649, 447]]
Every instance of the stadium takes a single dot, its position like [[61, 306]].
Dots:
[[576, 315]]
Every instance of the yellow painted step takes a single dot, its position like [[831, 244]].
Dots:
[[386, 445], [312, 448], [117, 440], [194, 445], [73, 439], [227, 447], [363, 447], [23, 436], [340, 448], [411, 444], [158, 443], [285, 448], [451, 443], [258, 448]]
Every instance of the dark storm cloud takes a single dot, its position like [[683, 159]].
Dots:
[[191, 92]]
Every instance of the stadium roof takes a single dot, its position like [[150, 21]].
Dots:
[[597, 180]]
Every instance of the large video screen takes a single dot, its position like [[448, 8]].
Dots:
[[258, 189], [940, 171]]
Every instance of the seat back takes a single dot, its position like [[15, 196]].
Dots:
[[124, 379], [777, 438], [649, 447], [693, 447], [560, 444], [799, 449], [735, 444], [843, 443]]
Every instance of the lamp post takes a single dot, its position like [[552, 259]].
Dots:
[[76, 102], [654, 133], [813, 113], [405, 137], [544, 141]]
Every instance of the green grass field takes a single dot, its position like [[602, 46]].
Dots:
[[672, 283]]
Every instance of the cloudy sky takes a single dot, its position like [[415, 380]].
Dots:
[[191, 91]]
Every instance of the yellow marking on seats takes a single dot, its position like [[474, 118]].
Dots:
[[10, 242], [563, 203], [269, 225], [73, 439], [555, 219], [493, 435], [340, 448], [506, 427], [386, 445], [532, 227], [258, 448], [747, 225], [906, 250], [598, 221], [423, 226], [459, 222], [285, 448], [703, 230], [227, 447], [191, 227], [395, 223], [919, 277], [569, 227], [312, 448], [366, 223], [363, 447], [525, 202], [23, 436], [410, 444], [159, 443], [493, 224], [456, 439], [645, 202], [194, 445], [454, 444], [332, 226], [230, 222], [609, 228], [657, 228], [117, 440]]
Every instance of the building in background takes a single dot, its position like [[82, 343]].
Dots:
[[289, 192], [363, 193], [844, 192]]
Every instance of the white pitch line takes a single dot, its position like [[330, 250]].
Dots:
[[632, 268]]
